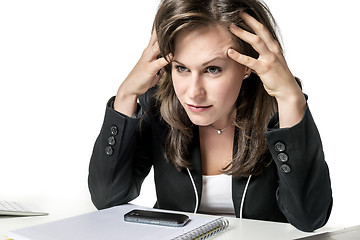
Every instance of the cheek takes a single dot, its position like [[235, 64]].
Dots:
[[230, 92], [235, 82], [178, 86], [230, 86]]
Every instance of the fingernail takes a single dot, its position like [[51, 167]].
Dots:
[[169, 57], [233, 26], [231, 51]]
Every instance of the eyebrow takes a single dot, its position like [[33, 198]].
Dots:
[[204, 64]]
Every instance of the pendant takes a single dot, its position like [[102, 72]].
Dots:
[[219, 132]]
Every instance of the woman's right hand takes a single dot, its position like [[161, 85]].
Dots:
[[144, 75]]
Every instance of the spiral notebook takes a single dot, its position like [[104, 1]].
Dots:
[[109, 224]]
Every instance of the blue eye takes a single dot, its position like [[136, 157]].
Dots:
[[213, 70], [181, 69]]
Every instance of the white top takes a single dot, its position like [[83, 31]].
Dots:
[[216, 197]]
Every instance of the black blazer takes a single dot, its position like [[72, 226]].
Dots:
[[294, 188]]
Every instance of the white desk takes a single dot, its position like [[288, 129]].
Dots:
[[57, 207], [253, 229], [238, 229]]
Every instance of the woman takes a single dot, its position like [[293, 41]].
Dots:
[[210, 83]]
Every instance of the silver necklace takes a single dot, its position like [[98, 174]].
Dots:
[[219, 131]]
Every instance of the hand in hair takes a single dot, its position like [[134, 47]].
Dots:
[[143, 76], [272, 69]]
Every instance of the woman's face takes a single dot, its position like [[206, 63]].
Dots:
[[206, 81]]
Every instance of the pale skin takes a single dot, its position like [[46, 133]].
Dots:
[[207, 94], [142, 77], [207, 83], [273, 71]]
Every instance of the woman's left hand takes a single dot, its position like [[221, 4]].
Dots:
[[272, 69], [270, 66]]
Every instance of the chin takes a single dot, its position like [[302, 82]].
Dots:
[[199, 122]]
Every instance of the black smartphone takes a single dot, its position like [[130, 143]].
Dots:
[[157, 218]]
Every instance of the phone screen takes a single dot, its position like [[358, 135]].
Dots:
[[157, 218]]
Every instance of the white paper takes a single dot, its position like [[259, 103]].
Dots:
[[106, 224]]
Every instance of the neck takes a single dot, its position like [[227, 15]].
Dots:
[[210, 129], [220, 130]]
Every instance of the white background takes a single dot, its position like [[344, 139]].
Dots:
[[60, 61]]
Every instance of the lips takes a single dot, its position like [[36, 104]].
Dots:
[[197, 108]]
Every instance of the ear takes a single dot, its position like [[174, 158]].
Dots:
[[248, 71]]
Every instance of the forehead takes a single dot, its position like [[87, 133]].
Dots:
[[203, 43]]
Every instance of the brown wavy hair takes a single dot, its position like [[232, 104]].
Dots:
[[254, 106]]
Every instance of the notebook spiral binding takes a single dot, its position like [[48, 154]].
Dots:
[[205, 232]]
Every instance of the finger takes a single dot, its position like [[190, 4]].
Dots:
[[243, 59], [153, 38], [162, 62], [262, 32], [254, 40], [155, 49], [151, 52]]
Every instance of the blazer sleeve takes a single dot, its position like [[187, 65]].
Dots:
[[120, 159], [304, 194]]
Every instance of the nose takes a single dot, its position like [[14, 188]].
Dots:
[[196, 90]]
